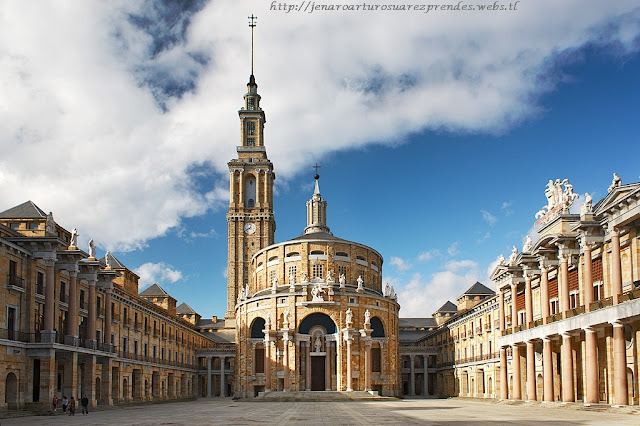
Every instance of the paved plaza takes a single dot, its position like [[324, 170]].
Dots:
[[408, 411]]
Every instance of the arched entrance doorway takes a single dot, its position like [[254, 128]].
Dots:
[[11, 392], [320, 351]]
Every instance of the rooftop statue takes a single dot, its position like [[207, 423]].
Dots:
[[616, 182], [92, 249], [74, 238], [528, 245]]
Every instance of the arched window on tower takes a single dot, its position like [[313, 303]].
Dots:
[[250, 192]]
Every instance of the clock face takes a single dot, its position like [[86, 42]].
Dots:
[[250, 228]]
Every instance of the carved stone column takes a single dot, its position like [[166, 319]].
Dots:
[[501, 311], [349, 339], [528, 300], [564, 294], [367, 365], [209, 387], [517, 376], [504, 377], [412, 377], [514, 308], [531, 371], [107, 316], [547, 370], [544, 291], [587, 275], [620, 385], [73, 303], [285, 361], [568, 394], [308, 367], [50, 296], [91, 324], [616, 269], [267, 360], [591, 367], [223, 384]]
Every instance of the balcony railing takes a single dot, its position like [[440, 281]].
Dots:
[[15, 282], [156, 332], [599, 304], [100, 312], [17, 336], [127, 321], [145, 358], [115, 317], [147, 329], [83, 304], [64, 298], [137, 325]]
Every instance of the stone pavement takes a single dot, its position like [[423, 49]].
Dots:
[[408, 411]]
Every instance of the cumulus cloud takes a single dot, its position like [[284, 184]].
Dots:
[[456, 265], [453, 249], [506, 208], [426, 256], [400, 263], [111, 112], [160, 273], [421, 297]]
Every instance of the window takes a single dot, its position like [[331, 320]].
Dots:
[[63, 291], [272, 275], [155, 351], [82, 299], [125, 346], [251, 141], [146, 349], [33, 225], [316, 271], [251, 127], [14, 225], [573, 300], [598, 290], [12, 322], [293, 272], [553, 306], [40, 283], [135, 347], [251, 103], [352, 300], [342, 270], [376, 360], [521, 317]]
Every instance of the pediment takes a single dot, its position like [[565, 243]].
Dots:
[[616, 196]]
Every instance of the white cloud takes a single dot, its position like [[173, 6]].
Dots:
[[160, 273], [488, 217], [84, 135], [506, 208], [453, 249], [456, 265], [400, 263], [485, 237], [426, 256], [225, 273]]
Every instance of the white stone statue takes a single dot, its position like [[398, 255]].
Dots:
[[513, 256], [74, 238], [568, 196], [318, 344], [557, 192], [246, 292], [550, 194], [50, 225], [92, 249], [107, 259], [501, 260], [267, 322], [316, 293], [349, 317], [616, 182], [360, 282], [285, 318], [274, 282], [343, 281], [330, 279], [304, 279], [587, 207], [556, 196], [393, 293], [528, 245], [367, 317], [387, 290], [292, 279]]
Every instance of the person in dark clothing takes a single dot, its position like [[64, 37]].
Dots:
[[85, 405]]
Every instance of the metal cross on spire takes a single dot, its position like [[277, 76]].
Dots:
[[316, 167], [252, 24]]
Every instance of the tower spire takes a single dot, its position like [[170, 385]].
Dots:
[[252, 25], [316, 210]]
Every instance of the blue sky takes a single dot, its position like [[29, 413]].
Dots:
[[436, 137]]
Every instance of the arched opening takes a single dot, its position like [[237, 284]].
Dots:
[[11, 391], [378, 328], [257, 326], [490, 386], [250, 192], [319, 356], [539, 387], [125, 390]]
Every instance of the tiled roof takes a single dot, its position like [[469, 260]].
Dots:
[[479, 288], [418, 322], [183, 308], [154, 290], [26, 210], [115, 263], [448, 307]]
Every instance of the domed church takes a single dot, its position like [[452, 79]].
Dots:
[[310, 313]]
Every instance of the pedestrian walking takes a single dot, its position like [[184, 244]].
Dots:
[[85, 405], [54, 403], [65, 403], [72, 406]]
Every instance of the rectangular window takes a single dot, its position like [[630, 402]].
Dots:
[[598, 291], [135, 347], [251, 141], [553, 306], [342, 270], [14, 225], [63, 291], [521, 317], [258, 360], [251, 127], [573, 300], [293, 272], [33, 225], [251, 103], [125, 346], [316, 271], [272, 275], [82, 299]]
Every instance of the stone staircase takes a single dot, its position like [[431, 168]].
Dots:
[[313, 396]]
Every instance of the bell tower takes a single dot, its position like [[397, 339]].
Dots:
[[251, 224]]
